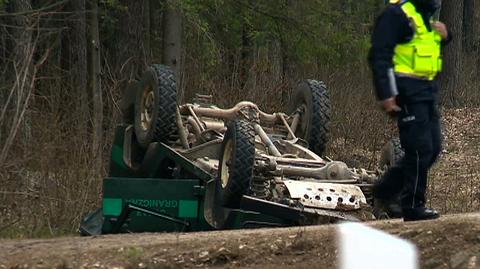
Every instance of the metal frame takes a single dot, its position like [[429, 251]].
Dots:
[[281, 160], [279, 153], [130, 208]]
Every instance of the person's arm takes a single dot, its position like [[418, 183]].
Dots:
[[391, 28], [441, 28]]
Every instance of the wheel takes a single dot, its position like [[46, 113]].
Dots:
[[236, 163], [392, 152], [155, 105], [311, 100]]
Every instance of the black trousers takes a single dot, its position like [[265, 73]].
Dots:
[[420, 137]]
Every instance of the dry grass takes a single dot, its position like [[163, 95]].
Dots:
[[455, 180], [49, 184]]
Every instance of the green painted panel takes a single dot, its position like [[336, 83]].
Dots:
[[188, 209], [117, 156], [173, 197], [112, 206]]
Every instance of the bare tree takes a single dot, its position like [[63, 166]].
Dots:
[[23, 68], [132, 49], [172, 39], [74, 58], [19, 75], [95, 84]]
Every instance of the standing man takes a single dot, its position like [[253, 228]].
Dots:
[[405, 58]]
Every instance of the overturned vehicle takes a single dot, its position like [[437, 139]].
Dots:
[[191, 167]]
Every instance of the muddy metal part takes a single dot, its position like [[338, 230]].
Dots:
[[326, 195], [304, 162], [200, 119], [283, 158]]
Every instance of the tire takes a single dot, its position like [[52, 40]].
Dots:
[[155, 105], [236, 163], [312, 99], [392, 152]]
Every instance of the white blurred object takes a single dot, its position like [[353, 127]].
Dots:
[[364, 247]]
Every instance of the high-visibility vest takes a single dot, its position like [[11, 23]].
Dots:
[[421, 57]]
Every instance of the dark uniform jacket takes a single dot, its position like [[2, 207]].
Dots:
[[391, 28]]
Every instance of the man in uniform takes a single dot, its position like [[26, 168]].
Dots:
[[405, 58]]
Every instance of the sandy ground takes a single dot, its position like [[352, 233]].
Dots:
[[454, 184], [452, 241]]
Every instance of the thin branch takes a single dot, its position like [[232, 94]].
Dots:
[[35, 11]]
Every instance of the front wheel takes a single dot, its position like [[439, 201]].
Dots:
[[236, 163], [392, 152], [155, 105], [312, 101]]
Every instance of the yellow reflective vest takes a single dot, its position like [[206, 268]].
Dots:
[[421, 57]]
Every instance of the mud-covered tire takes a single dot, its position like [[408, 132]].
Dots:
[[312, 99], [155, 105], [236, 163], [391, 153]]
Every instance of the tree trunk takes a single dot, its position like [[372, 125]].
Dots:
[[74, 61], [452, 78], [277, 55], [245, 51], [468, 26], [477, 34], [4, 64], [172, 42], [147, 52], [132, 48], [156, 31], [95, 84]]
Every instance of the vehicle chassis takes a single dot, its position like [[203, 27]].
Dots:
[[179, 182]]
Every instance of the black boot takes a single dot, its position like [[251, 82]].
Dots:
[[386, 209], [419, 213]]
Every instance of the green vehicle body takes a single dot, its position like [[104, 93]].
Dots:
[[166, 192], [269, 168]]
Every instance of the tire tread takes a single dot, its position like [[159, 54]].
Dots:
[[243, 163], [321, 116]]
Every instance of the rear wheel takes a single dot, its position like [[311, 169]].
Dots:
[[155, 105], [311, 100], [391, 154], [236, 163]]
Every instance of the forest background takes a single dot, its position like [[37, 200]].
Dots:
[[65, 63]]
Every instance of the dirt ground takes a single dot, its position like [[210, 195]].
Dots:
[[454, 185], [452, 241]]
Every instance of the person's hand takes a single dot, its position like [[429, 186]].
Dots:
[[390, 106], [441, 28]]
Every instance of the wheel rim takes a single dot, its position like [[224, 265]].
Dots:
[[302, 127], [226, 161], [148, 100]]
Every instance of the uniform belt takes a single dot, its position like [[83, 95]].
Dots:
[[407, 75]]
